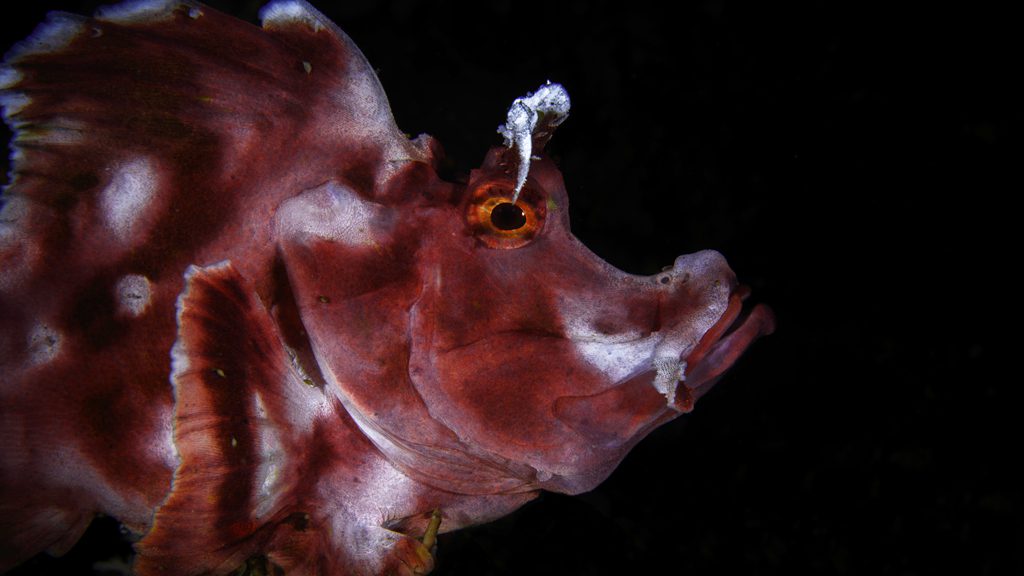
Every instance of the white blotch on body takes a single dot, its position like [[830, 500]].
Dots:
[[133, 293], [132, 187], [44, 344]]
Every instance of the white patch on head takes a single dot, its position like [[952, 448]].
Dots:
[[44, 344], [617, 356], [132, 187], [616, 360], [333, 212], [289, 11], [138, 11], [133, 294]]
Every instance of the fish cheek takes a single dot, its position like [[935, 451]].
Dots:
[[352, 274], [617, 417]]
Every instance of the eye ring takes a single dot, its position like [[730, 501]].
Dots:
[[497, 222]]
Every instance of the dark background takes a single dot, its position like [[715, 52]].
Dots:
[[852, 162]]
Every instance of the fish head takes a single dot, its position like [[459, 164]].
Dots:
[[485, 348]]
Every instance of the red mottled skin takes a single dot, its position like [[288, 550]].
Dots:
[[243, 315]]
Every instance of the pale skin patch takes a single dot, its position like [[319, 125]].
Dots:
[[44, 343], [616, 356], [133, 293], [123, 202], [333, 212]]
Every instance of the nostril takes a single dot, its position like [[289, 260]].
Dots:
[[667, 278]]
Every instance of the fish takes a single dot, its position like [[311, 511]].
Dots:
[[242, 313]]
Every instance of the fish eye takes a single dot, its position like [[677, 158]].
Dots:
[[497, 222], [508, 216]]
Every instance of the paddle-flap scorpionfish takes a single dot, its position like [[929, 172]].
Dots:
[[241, 313]]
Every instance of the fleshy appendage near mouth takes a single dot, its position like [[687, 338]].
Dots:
[[721, 346], [635, 405]]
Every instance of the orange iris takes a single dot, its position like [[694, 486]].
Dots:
[[497, 222]]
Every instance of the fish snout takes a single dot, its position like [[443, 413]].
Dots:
[[705, 325], [704, 266]]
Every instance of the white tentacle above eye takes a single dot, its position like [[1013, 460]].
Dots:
[[529, 117]]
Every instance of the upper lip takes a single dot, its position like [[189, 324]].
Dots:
[[723, 344]]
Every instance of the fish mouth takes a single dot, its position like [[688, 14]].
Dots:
[[721, 346]]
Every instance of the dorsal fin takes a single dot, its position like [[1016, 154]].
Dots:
[[159, 103]]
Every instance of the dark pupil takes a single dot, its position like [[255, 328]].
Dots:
[[508, 216]]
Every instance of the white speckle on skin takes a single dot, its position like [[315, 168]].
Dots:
[[133, 186], [43, 344], [133, 295]]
